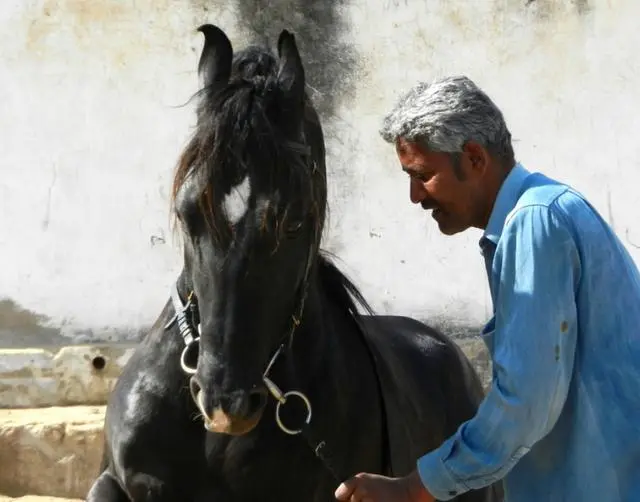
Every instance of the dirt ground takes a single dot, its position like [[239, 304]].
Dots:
[[54, 451]]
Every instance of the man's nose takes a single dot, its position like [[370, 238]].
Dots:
[[417, 193]]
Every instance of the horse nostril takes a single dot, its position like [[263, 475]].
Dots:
[[239, 404], [257, 400], [243, 404]]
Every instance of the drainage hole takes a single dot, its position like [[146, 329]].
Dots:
[[99, 362]]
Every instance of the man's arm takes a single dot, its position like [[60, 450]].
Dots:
[[534, 342]]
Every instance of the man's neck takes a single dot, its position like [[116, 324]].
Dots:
[[492, 186]]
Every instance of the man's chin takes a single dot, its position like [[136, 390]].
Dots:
[[448, 231], [444, 226]]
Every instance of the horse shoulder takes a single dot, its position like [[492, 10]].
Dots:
[[150, 431]]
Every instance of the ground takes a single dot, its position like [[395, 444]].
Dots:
[[51, 451]]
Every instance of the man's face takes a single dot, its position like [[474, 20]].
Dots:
[[452, 192]]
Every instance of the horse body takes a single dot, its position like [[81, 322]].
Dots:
[[382, 390], [157, 449]]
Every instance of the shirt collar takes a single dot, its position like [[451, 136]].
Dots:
[[506, 200]]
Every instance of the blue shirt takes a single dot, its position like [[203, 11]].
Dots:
[[561, 421]]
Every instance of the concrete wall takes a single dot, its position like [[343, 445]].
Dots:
[[92, 123]]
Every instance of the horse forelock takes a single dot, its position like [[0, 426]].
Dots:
[[240, 132]]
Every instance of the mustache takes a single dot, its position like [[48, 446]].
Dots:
[[429, 204]]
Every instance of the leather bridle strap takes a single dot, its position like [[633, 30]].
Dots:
[[185, 326]]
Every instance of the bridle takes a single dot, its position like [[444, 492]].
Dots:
[[186, 314]]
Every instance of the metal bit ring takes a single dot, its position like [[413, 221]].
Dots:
[[307, 404]]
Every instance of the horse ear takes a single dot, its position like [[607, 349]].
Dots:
[[214, 67], [291, 78]]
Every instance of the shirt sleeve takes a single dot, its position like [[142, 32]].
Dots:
[[536, 270]]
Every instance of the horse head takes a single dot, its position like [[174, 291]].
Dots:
[[249, 194]]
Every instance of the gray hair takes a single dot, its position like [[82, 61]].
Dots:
[[447, 113]]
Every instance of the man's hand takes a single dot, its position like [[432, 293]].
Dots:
[[365, 487]]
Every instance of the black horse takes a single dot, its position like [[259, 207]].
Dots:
[[261, 380]]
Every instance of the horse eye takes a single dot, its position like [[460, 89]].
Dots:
[[294, 227]]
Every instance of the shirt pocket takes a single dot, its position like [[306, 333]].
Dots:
[[487, 333]]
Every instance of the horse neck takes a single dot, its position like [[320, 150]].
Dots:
[[309, 342], [323, 343], [334, 369]]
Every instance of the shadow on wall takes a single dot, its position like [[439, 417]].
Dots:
[[546, 7], [20, 328], [330, 63], [332, 67]]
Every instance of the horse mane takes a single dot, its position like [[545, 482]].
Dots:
[[339, 287]]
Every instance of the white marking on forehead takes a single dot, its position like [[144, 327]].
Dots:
[[236, 203]]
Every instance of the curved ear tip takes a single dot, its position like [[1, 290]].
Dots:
[[209, 29], [286, 35]]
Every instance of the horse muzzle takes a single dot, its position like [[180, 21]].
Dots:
[[235, 414]]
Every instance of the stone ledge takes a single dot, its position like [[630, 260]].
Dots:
[[74, 375], [86, 374], [50, 451], [55, 451]]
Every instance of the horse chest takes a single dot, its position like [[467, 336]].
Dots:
[[265, 471]]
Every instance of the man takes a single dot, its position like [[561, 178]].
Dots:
[[561, 421]]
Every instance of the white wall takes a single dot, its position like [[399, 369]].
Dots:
[[91, 129]]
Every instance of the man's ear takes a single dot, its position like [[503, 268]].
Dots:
[[478, 155]]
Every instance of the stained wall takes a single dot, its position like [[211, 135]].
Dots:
[[95, 110]]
